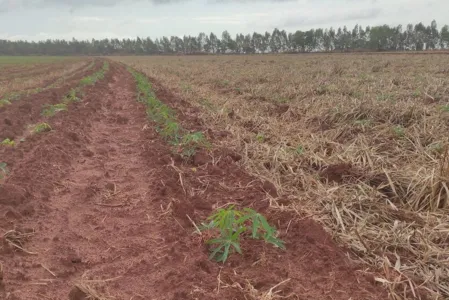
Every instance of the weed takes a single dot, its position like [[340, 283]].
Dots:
[[385, 97], [282, 100], [171, 131], [445, 107], [322, 90], [232, 223], [376, 69], [8, 142], [3, 170], [417, 93], [41, 127], [71, 96], [363, 122], [191, 142], [299, 150], [51, 110], [206, 103], [260, 137], [4, 102], [399, 131], [186, 87], [437, 147]]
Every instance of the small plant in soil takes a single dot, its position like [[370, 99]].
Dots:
[[4, 102], [51, 110], [443, 108], [399, 131], [191, 142], [299, 150], [232, 225], [3, 170], [260, 137], [71, 97], [41, 127], [8, 142]]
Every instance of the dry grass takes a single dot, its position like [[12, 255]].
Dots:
[[359, 141], [16, 240], [91, 289]]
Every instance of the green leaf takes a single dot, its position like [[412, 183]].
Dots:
[[237, 247], [265, 224], [255, 227]]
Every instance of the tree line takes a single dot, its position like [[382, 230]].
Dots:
[[416, 37]]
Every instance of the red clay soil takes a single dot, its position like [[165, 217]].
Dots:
[[106, 205], [15, 118]]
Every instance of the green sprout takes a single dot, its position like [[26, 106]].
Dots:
[[51, 110], [231, 224], [3, 170], [41, 127], [8, 142]]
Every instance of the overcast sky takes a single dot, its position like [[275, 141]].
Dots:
[[86, 19]]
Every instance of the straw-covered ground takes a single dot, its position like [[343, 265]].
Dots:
[[358, 142]]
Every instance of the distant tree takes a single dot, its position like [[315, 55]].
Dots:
[[444, 37], [433, 35], [248, 45], [213, 43], [201, 42], [377, 38]]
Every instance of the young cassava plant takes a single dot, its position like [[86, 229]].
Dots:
[[3, 170], [231, 225]]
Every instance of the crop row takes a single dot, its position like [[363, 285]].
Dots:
[[186, 143], [74, 95], [14, 96]]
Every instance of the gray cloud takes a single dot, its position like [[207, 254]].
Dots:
[[9, 5], [342, 16]]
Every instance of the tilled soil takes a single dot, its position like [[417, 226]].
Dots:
[[103, 203], [27, 110]]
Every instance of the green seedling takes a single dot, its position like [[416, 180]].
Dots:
[[399, 130], [170, 131], [186, 87], [41, 127], [51, 110], [445, 108], [282, 100], [385, 97], [436, 147], [71, 97], [260, 137], [207, 104], [3, 170], [191, 142], [231, 225], [299, 150], [4, 102], [8, 142], [417, 93], [363, 122]]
